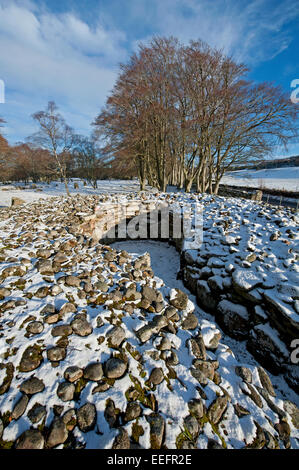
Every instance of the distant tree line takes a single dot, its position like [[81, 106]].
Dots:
[[178, 114], [54, 151]]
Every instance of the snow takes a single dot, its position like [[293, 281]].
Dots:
[[165, 261], [274, 178], [44, 190], [225, 306], [167, 272]]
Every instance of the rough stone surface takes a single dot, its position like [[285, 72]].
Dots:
[[58, 433], [30, 439], [32, 386], [93, 372], [115, 368], [87, 416]]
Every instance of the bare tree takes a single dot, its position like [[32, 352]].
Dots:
[[56, 136], [187, 114]]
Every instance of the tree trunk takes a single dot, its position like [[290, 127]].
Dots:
[[66, 186], [142, 183], [188, 185]]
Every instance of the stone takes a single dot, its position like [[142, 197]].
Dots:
[[265, 344], [212, 444], [165, 344], [156, 376], [158, 306], [199, 375], [20, 407], [206, 367], [245, 280], [86, 417], [133, 411], [145, 333], [180, 300], [56, 354], [57, 410], [266, 382], [116, 336], [48, 309], [170, 313], [187, 445], [44, 266], [190, 322], [149, 294], [35, 327], [43, 253], [244, 373], [4, 387], [217, 409], [60, 258], [61, 330], [32, 386], [30, 439], [205, 297], [66, 391], [241, 411], [31, 359], [58, 433], [196, 407], [157, 427], [101, 387], [17, 201], [197, 347], [158, 322], [283, 430], [93, 372], [171, 358], [81, 327], [115, 368], [73, 373], [72, 281], [191, 425], [234, 318], [293, 411], [102, 286], [282, 414], [68, 307], [37, 413], [253, 394], [70, 419], [122, 440]]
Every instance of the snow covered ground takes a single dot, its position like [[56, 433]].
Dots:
[[53, 279], [275, 178], [159, 252], [278, 178], [55, 188]]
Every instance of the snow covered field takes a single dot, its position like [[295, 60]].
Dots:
[[44, 190], [159, 252], [280, 178], [88, 311], [275, 178]]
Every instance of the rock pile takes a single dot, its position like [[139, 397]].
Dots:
[[97, 353]]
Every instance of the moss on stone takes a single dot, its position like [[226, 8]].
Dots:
[[137, 431]]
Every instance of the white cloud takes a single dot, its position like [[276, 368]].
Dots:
[[62, 57], [55, 57]]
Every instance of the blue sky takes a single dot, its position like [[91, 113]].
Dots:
[[69, 51]]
